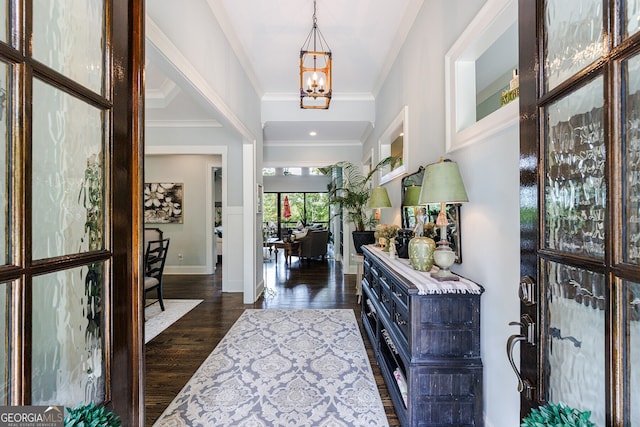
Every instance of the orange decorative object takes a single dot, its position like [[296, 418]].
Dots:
[[286, 210]]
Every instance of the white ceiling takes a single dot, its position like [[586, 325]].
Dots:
[[364, 36]]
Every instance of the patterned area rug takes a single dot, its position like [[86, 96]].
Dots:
[[283, 368], [157, 320]]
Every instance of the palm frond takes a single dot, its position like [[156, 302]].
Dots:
[[352, 191]]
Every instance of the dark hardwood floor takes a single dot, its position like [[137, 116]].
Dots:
[[173, 356]]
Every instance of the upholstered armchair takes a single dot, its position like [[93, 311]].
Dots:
[[314, 244]]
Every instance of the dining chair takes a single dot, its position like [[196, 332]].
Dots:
[[154, 260]]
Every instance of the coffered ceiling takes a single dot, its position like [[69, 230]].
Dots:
[[266, 35]]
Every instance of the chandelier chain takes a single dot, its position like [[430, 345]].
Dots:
[[315, 68]]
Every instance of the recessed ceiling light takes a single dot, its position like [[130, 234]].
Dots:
[[313, 133]]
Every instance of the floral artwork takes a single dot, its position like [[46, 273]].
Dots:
[[163, 203]]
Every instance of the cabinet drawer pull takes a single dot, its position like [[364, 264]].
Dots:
[[399, 320], [389, 342], [372, 309]]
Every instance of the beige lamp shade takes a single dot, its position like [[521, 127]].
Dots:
[[442, 183], [379, 198], [411, 196]]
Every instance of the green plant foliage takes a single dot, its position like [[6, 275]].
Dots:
[[90, 197], [351, 191], [91, 415], [559, 415]]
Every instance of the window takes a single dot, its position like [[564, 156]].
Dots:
[[284, 211], [316, 172], [292, 171]]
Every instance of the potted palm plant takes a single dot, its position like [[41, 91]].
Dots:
[[351, 192]]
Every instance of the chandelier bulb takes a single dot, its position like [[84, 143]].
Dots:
[[315, 90]]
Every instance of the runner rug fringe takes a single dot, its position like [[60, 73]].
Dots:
[[283, 368]]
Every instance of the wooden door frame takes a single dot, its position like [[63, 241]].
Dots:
[[529, 64], [127, 357], [613, 265]]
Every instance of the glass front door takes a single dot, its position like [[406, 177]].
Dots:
[[63, 109], [579, 202]]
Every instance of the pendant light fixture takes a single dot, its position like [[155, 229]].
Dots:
[[315, 69]]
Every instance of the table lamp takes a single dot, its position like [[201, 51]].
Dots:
[[443, 184], [379, 199], [411, 196]]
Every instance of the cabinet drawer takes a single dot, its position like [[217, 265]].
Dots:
[[369, 314], [400, 295], [374, 286], [366, 269], [385, 295], [401, 321]]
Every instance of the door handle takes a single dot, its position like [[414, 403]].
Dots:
[[527, 334], [526, 290], [527, 328]]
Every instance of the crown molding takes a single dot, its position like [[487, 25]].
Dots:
[[183, 124], [307, 144], [185, 149], [337, 96], [224, 22], [165, 46], [161, 97]]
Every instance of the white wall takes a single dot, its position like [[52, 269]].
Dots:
[[188, 238], [490, 224], [191, 39], [195, 32], [490, 221], [171, 137]]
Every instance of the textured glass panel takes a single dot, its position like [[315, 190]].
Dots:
[[5, 205], [68, 37], [632, 8], [68, 337], [575, 188], [634, 350], [631, 135], [573, 38], [5, 298], [4, 24], [575, 367], [68, 180]]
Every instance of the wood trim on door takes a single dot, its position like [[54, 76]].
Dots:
[[127, 370]]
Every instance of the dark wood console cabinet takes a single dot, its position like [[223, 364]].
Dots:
[[429, 337]]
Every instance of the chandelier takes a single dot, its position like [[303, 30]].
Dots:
[[315, 69]]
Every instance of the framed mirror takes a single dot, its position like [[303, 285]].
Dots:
[[411, 211], [394, 142], [478, 68]]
